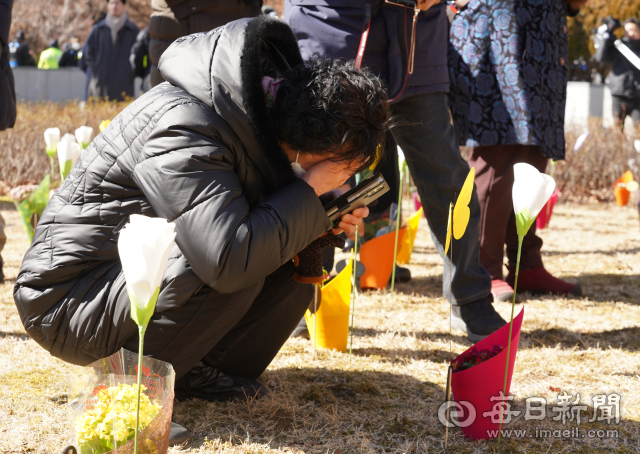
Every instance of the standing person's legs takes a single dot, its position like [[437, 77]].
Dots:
[[494, 180], [532, 275], [433, 155], [635, 113], [3, 240], [619, 108]]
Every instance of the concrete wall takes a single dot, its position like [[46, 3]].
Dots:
[[58, 85], [584, 100]]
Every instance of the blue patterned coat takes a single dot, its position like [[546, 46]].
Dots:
[[508, 73]]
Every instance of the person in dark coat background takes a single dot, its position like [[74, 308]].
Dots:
[[418, 82], [7, 92], [171, 19], [139, 59], [508, 71], [106, 54], [624, 77], [19, 49], [71, 53], [210, 150]]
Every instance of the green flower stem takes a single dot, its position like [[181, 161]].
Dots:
[[409, 205], [395, 248], [353, 289], [141, 331], [513, 306], [51, 159]]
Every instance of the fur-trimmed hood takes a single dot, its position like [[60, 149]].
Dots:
[[224, 69]]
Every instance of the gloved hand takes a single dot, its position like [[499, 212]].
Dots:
[[611, 23], [308, 262]]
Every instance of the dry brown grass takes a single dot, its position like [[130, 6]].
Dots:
[[586, 175], [385, 399], [23, 158], [589, 173]]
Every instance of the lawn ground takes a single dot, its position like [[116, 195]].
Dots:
[[386, 396]]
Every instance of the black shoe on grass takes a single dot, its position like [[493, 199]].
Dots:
[[207, 383], [478, 319]]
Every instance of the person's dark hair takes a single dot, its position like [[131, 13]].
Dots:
[[327, 105], [124, 2], [634, 21]]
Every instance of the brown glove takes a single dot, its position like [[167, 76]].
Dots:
[[308, 262]]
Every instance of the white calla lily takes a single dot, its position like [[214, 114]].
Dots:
[[51, 139], [402, 161], [531, 190], [68, 137], [83, 136], [144, 246], [68, 154]]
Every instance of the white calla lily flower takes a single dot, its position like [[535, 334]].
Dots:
[[144, 246], [68, 137], [51, 139], [68, 154], [402, 161], [531, 190], [83, 136]]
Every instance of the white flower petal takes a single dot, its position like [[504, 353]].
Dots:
[[144, 246], [531, 189], [401, 158], [68, 151], [83, 134], [51, 136], [68, 138]]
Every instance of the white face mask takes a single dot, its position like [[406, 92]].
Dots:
[[297, 168]]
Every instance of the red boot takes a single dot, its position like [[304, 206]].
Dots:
[[539, 280]]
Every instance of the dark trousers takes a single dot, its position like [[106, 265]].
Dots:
[[623, 106], [494, 182], [239, 333], [431, 150]]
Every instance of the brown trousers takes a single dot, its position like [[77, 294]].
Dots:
[[494, 181]]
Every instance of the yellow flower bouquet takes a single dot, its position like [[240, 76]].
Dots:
[[103, 398]]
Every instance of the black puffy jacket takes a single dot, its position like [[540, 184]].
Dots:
[[624, 78], [7, 87], [197, 150]]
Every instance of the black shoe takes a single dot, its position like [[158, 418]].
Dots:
[[301, 330], [403, 275], [178, 434], [360, 268], [207, 383], [478, 319]]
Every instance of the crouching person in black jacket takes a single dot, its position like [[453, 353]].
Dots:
[[211, 150]]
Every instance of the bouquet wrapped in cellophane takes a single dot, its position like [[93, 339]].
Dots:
[[103, 399]]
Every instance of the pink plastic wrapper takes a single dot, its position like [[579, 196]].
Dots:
[[542, 221], [478, 385]]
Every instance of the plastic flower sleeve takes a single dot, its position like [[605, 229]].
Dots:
[[103, 397]]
